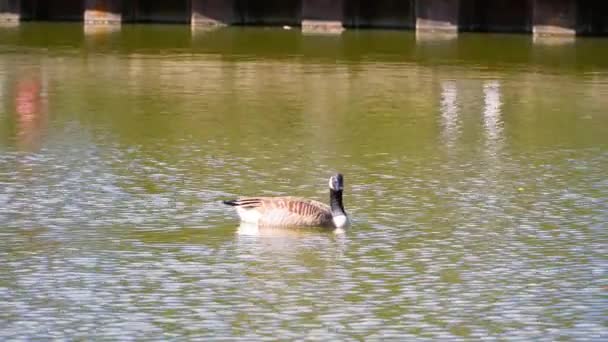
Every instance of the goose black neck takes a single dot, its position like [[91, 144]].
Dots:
[[335, 200]]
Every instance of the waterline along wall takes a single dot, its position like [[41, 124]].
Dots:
[[540, 17]]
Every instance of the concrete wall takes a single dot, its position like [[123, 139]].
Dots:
[[10, 11], [103, 11], [323, 15], [214, 12], [542, 17], [554, 17], [438, 15]]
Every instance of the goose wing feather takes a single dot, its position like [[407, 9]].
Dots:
[[286, 211]]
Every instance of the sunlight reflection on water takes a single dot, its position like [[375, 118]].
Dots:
[[478, 202]]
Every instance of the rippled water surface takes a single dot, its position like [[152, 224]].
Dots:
[[476, 176]]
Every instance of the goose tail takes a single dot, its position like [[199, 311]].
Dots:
[[232, 203]]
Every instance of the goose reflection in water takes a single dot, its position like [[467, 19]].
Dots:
[[252, 229]]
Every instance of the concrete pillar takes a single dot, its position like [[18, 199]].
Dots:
[[322, 16], [102, 12], [213, 12], [554, 17], [10, 11], [437, 15]]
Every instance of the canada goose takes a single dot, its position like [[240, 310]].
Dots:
[[291, 211]]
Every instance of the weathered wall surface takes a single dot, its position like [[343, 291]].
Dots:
[[554, 17], [10, 11], [214, 12], [323, 15], [438, 15], [103, 11]]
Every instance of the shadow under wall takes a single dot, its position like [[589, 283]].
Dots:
[[398, 14], [55, 10], [517, 16], [355, 13], [269, 12], [496, 15], [145, 11], [592, 17], [177, 11]]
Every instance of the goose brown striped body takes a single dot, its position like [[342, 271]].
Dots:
[[289, 211]]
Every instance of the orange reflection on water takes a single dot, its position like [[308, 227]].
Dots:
[[30, 108]]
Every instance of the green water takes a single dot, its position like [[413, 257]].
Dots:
[[475, 171]]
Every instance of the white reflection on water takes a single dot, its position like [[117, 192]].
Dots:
[[108, 232], [492, 111], [3, 92], [287, 241], [492, 123], [249, 229], [449, 112]]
